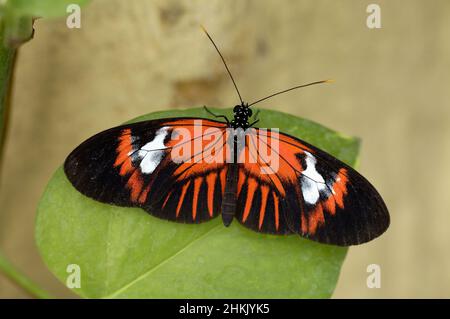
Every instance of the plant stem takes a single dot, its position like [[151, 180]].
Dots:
[[7, 59], [21, 280], [7, 62]]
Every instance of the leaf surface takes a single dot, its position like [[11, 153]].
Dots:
[[127, 253]]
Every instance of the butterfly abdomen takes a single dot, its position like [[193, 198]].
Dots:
[[230, 194]]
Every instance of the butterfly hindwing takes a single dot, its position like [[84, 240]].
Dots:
[[309, 192], [133, 165]]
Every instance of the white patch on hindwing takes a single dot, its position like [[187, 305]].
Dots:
[[313, 184], [152, 153]]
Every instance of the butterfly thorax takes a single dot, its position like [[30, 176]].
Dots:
[[241, 114]]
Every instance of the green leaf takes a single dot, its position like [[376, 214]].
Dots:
[[125, 252], [17, 17], [41, 8]]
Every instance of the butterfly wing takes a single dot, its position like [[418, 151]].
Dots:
[[298, 188], [164, 166]]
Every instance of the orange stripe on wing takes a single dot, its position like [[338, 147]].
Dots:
[[167, 199], [252, 185], [262, 210], [330, 205], [285, 138], [123, 149], [315, 219], [223, 177], [197, 183], [277, 213], [304, 225], [259, 165], [181, 199], [241, 180], [126, 167], [135, 184], [340, 187], [144, 194], [211, 183]]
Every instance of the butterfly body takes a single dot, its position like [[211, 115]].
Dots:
[[241, 114]]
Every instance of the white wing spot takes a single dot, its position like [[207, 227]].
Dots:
[[312, 182], [152, 153], [310, 191], [310, 170]]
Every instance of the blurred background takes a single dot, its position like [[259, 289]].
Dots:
[[133, 57]]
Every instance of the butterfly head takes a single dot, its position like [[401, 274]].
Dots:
[[241, 114]]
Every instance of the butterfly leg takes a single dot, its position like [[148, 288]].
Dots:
[[256, 115], [253, 123], [215, 115], [256, 118]]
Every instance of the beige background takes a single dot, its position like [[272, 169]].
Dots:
[[134, 57]]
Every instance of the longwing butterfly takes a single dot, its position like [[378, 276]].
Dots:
[[191, 170]]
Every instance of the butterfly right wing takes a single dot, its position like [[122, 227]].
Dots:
[[309, 192]]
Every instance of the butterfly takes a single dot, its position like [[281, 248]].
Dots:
[[190, 170]]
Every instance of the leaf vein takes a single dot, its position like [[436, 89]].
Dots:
[[148, 272]]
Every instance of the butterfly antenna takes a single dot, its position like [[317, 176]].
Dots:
[[223, 60], [293, 88]]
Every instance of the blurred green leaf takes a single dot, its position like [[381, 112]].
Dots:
[[41, 8], [125, 252], [17, 17]]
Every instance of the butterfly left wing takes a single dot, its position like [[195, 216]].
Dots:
[[301, 189], [154, 165]]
